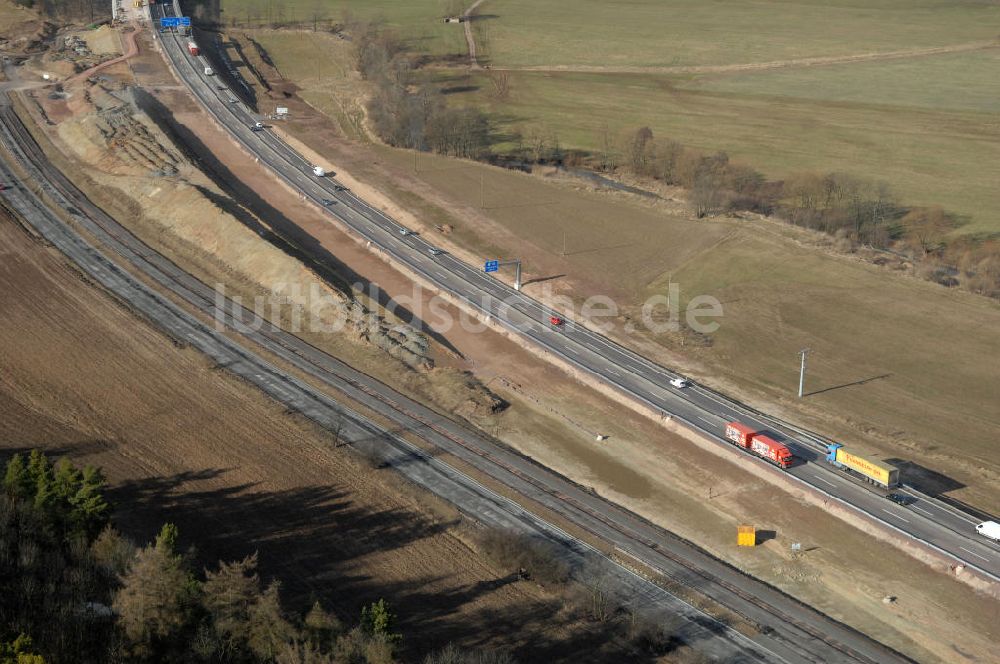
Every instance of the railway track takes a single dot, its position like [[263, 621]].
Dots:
[[785, 623]]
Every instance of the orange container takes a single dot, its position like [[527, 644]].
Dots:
[[740, 434]]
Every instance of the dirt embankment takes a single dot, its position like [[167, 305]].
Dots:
[[103, 127], [127, 162]]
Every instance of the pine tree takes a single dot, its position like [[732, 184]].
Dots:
[[378, 620], [166, 541], [66, 481], [17, 481], [38, 465], [90, 508], [40, 478], [45, 498]]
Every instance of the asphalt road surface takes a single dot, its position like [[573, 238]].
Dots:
[[926, 519], [784, 630]]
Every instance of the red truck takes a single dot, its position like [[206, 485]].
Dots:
[[193, 48], [761, 445]]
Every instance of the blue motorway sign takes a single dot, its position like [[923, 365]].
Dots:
[[491, 266], [185, 21], [169, 22]]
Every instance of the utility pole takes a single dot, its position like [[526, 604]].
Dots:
[[802, 370], [482, 190]]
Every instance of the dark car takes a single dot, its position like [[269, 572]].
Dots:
[[900, 498]]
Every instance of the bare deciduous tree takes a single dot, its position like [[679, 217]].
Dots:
[[317, 13], [608, 153], [637, 146], [706, 194], [925, 228]]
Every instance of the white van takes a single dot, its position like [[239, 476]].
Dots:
[[989, 529]]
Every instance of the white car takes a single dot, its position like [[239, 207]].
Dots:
[[680, 383], [434, 251]]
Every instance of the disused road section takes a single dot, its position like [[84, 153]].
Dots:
[[788, 630]]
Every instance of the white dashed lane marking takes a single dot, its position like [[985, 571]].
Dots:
[[895, 515], [974, 553]]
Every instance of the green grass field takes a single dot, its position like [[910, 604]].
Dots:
[[695, 32], [420, 21], [926, 125], [954, 82], [933, 136]]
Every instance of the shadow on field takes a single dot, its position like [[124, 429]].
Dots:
[[459, 89], [765, 536], [79, 450], [863, 381], [539, 280], [925, 479], [323, 545], [283, 233]]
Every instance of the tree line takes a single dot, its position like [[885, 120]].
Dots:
[[856, 211], [76, 590], [405, 112]]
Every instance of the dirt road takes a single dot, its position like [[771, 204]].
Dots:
[[761, 66], [133, 50], [470, 39]]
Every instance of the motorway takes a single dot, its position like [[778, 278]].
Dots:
[[784, 630], [933, 522]]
